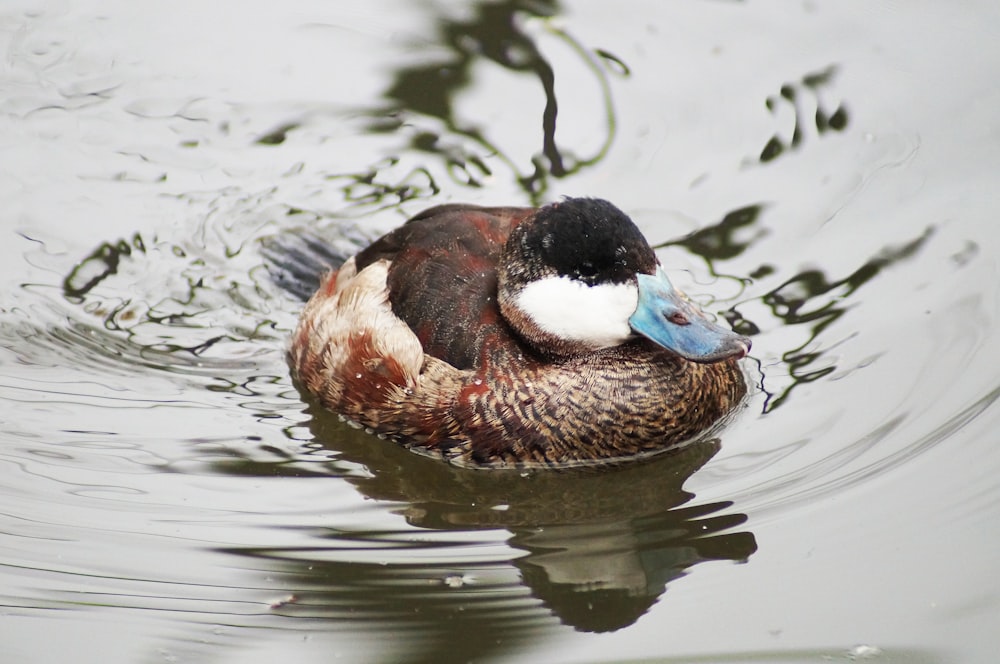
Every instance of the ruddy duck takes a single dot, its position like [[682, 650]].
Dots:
[[516, 336]]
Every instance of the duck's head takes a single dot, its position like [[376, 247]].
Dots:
[[579, 276]]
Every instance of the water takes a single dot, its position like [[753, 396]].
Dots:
[[822, 174]]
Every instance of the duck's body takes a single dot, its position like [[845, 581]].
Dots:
[[510, 336]]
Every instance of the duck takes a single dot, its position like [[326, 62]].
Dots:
[[494, 337]]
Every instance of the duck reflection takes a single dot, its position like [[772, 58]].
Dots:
[[599, 545], [602, 575]]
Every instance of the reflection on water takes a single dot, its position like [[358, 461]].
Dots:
[[502, 34], [823, 119], [162, 486], [381, 187], [602, 576], [597, 548], [809, 298]]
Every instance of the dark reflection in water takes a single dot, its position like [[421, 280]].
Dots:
[[599, 547], [812, 298], [722, 241], [601, 576], [808, 298], [823, 119], [102, 263], [378, 187], [492, 32]]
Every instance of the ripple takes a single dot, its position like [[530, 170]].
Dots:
[[148, 304], [167, 493], [596, 564]]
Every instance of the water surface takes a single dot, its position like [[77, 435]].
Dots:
[[822, 175]]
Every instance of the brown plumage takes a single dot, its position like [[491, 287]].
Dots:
[[421, 338]]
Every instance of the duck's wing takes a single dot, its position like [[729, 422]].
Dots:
[[442, 279]]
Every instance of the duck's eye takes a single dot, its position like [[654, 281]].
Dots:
[[587, 270], [678, 318]]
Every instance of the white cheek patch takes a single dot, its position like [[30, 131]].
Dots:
[[595, 315]]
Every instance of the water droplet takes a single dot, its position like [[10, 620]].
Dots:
[[456, 580], [864, 652], [277, 604], [358, 376]]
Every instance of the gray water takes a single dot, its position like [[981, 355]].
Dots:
[[822, 174]]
